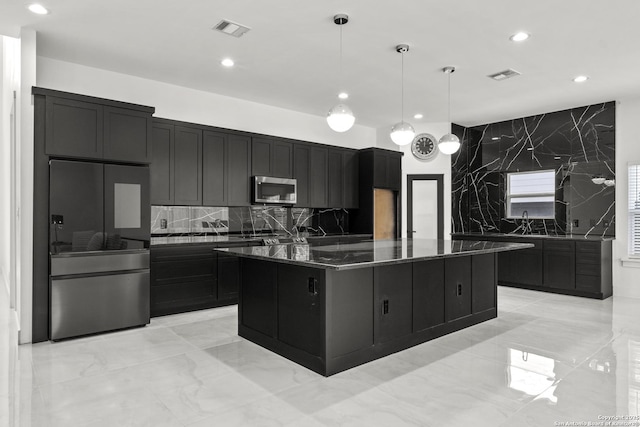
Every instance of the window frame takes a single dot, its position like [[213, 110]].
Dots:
[[632, 213], [510, 196]]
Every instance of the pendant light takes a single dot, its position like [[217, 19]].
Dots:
[[340, 118], [402, 133], [449, 143]]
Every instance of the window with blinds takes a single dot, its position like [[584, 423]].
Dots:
[[531, 194], [634, 210]]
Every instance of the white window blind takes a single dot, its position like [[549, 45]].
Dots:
[[531, 194], [634, 210]]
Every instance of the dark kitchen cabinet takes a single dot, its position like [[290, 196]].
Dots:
[[592, 260], [318, 167], [73, 128], [522, 266], [483, 287], [187, 166], [228, 276], [182, 279], [457, 283], [225, 164], [387, 169], [559, 264], [300, 291], [351, 181], [335, 178], [392, 302], [89, 128], [259, 295], [176, 167], [271, 157], [428, 294], [127, 135], [238, 171], [161, 169], [301, 172]]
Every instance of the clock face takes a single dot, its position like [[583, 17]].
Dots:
[[424, 147]]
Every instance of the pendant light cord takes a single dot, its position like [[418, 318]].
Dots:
[[402, 91], [340, 66], [449, 101]]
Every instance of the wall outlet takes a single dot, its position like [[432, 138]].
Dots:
[[576, 223]]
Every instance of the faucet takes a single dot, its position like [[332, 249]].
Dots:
[[526, 225]]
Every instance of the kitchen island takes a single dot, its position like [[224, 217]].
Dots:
[[333, 307]]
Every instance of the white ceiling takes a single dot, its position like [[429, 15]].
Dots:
[[290, 57]]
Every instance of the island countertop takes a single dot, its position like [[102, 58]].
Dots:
[[370, 253]]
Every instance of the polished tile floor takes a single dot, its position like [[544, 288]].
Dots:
[[547, 359]]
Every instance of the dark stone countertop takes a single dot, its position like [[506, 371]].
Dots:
[[576, 237], [346, 256], [237, 240]]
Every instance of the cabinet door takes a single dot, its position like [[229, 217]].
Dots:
[[483, 282], [187, 166], [214, 169], [380, 170], [559, 269], [428, 294], [301, 170], [258, 295], [394, 171], [261, 152], [301, 291], [393, 301], [318, 177], [162, 164], [335, 178], [559, 265], [457, 277], [526, 266], [238, 171], [351, 182], [73, 128], [127, 135], [282, 159], [228, 276]]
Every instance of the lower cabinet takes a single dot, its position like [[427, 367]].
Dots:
[[393, 302], [457, 287], [428, 294], [186, 278], [572, 266]]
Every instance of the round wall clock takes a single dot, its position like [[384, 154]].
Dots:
[[424, 146]]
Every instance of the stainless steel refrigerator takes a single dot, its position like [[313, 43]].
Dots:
[[99, 246]]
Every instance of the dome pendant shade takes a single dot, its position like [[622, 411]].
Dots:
[[340, 118], [449, 144], [402, 133]]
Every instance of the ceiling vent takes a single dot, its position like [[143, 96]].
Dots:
[[504, 75], [231, 28]]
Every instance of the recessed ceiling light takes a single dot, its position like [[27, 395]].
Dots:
[[38, 9], [418, 116], [343, 95], [519, 37], [227, 62], [580, 79]]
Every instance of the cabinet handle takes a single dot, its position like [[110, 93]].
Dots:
[[313, 286], [459, 290], [385, 306]]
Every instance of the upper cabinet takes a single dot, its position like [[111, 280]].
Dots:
[[91, 128], [226, 165], [271, 157], [387, 169], [176, 167]]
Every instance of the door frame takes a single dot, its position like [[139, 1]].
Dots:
[[440, 189]]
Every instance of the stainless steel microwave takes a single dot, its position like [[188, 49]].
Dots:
[[267, 189]]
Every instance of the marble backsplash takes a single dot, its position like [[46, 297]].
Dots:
[[247, 221], [579, 144]]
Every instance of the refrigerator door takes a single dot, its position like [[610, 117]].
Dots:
[[127, 208], [87, 305], [384, 214], [75, 206]]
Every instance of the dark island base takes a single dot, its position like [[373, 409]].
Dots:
[[333, 320]]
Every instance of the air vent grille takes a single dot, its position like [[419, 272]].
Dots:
[[504, 75], [231, 28]]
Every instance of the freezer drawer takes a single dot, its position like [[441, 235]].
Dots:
[[87, 305]]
